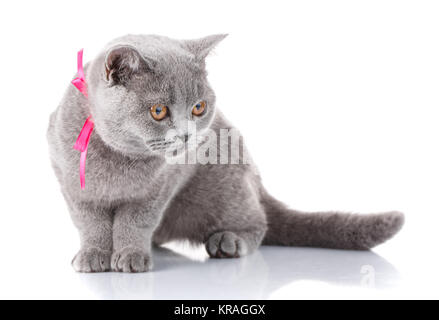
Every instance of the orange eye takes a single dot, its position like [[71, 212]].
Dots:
[[159, 111], [199, 108]]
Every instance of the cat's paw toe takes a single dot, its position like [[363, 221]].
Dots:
[[226, 245], [131, 260], [92, 260]]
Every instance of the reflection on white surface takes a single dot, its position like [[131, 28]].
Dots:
[[178, 276]]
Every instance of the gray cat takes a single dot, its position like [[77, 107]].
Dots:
[[139, 88]]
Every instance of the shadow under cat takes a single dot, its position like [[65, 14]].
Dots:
[[176, 276]]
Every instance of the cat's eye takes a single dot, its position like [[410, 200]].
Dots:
[[199, 108], [159, 111]]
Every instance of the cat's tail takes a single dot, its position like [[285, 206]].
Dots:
[[336, 230]]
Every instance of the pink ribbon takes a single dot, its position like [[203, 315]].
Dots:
[[79, 81], [83, 139], [81, 145]]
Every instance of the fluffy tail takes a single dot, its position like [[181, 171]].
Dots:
[[327, 229]]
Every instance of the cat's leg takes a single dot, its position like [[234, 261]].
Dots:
[[239, 223], [95, 232], [133, 227], [218, 209]]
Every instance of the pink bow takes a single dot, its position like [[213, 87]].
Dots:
[[83, 139], [79, 81]]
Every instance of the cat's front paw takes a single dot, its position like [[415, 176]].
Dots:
[[226, 245], [92, 260], [131, 259]]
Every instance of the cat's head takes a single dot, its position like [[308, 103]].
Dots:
[[141, 87]]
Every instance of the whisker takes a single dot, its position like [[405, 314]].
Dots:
[[171, 147], [154, 140], [161, 143]]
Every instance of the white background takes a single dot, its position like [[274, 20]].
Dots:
[[338, 102]]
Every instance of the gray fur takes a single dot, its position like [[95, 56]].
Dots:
[[133, 198]]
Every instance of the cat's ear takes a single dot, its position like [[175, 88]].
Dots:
[[123, 62], [201, 47]]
